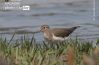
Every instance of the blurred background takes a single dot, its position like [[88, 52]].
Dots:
[[56, 13]]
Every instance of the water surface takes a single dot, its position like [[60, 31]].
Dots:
[[56, 14]]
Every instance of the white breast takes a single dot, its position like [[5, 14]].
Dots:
[[55, 37], [59, 38], [45, 35]]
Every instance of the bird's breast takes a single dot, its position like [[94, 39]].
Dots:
[[58, 38], [45, 35]]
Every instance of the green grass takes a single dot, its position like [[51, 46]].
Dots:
[[28, 52]]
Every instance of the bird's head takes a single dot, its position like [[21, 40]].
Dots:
[[44, 28]]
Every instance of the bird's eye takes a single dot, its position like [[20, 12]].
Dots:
[[44, 27]]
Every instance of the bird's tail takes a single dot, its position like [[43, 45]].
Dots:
[[75, 27]]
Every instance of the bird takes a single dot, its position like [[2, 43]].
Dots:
[[56, 34]]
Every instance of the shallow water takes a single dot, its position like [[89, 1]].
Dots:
[[55, 14]]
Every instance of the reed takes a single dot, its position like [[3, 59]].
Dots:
[[71, 56], [29, 52], [96, 55], [88, 60]]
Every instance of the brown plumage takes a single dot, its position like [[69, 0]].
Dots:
[[57, 32], [63, 32]]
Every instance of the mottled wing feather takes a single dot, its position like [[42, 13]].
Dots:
[[64, 32]]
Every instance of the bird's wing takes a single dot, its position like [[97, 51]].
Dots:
[[62, 32]]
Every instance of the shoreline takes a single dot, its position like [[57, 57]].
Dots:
[[29, 2]]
